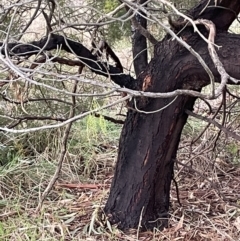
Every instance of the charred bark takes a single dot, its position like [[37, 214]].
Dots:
[[222, 14], [149, 157], [149, 142], [139, 42], [55, 41]]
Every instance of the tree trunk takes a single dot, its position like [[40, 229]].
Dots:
[[147, 150], [144, 170], [149, 141]]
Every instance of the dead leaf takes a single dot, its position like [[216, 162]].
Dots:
[[180, 224], [237, 223]]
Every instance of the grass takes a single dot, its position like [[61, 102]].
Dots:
[[23, 179], [64, 209], [208, 183]]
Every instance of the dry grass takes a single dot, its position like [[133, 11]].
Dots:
[[209, 201], [208, 183]]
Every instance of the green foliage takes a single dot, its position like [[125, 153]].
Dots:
[[109, 5], [116, 30], [193, 127], [90, 138], [233, 150], [9, 154]]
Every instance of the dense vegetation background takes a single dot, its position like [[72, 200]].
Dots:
[[207, 171]]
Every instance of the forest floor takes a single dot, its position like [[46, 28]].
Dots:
[[209, 197]]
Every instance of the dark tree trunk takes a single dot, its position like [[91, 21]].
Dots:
[[148, 148], [139, 43], [142, 180], [149, 142]]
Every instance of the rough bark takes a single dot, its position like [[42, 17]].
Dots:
[[221, 12], [149, 142], [139, 42]]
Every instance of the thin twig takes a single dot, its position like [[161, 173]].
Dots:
[[62, 154], [108, 118], [222, 128]]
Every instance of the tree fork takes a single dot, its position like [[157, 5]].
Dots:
[[149, 142]]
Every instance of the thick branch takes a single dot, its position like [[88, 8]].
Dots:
[[144, 31], [103, 45], [87, 58], [221, 13]]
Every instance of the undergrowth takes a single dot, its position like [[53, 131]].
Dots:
[[207, 173]]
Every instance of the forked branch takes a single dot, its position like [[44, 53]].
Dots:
[[55, 41]]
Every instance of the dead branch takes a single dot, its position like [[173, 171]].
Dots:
[[63, 151], [55, 41], [208, 120], [108, 118]]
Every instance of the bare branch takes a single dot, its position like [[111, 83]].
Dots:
[[144, 32], [75, 118], [86, 57], [63, 151], [108, 118], [222, 128]]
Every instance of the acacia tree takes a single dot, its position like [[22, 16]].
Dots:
[[196, 51]]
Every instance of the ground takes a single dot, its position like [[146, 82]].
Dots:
[[208, 193]]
